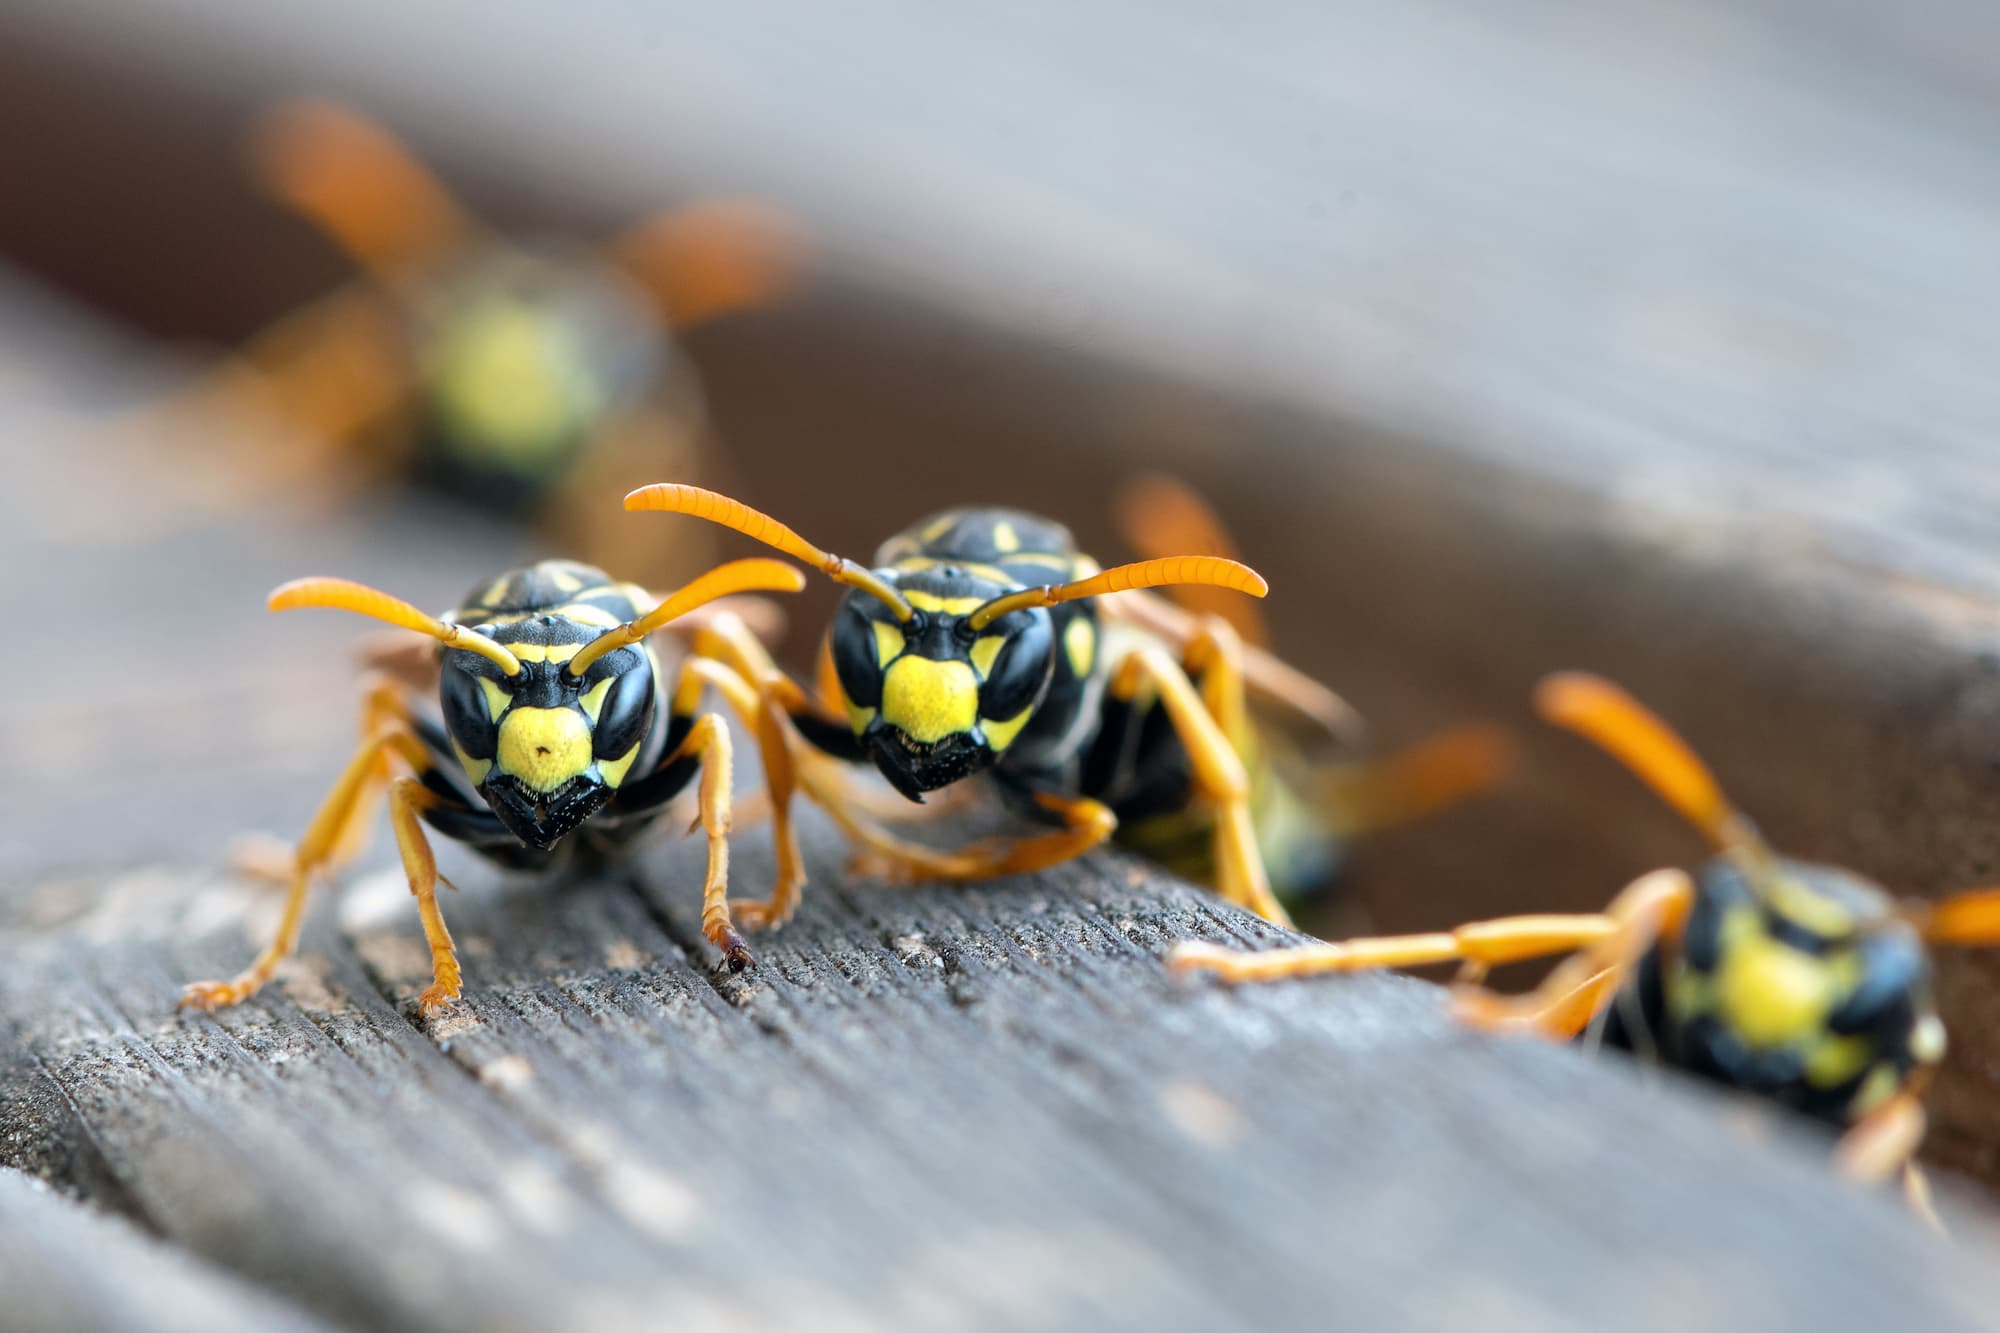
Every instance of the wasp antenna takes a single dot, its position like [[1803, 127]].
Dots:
[[354, 181], [1600, 712], [1971, 918], [347, 595], [1212, 570], [754, 575], [675, 498]]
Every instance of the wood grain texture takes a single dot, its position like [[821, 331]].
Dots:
[[948, 1109]]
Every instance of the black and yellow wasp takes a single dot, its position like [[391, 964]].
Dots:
[[976, 645], [1801, 983], [551, 735], [525, 376]]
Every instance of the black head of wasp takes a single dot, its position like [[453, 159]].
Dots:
[[982, 642], [526, 376], [1801, 983], [550, 733]]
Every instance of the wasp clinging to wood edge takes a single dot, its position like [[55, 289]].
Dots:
[[1801, 983], [552, 730], [982, 643]]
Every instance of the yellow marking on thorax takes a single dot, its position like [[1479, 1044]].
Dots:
[[950, 606], [888, 642], [544, 747], [544, 652], [565, 581], [930, 700], [1000, 735], [938, 527], [1080, 646], [613, 770], [1005, 538], [984, 651], [917, 564], [476, 769], [1832, 1059], [495, 591], [583, 613]]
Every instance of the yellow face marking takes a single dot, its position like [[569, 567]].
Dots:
[[501, 378], [544, 652], [497, 699], [1005, 538], [888, 642], [1000, 735], [592, 699], [858, 717], [613, 770], [1832, 1060], [984, 651], [1772, 995], [930, 700], [950, 606], [476, 769], [544, 747], [1080, 646]]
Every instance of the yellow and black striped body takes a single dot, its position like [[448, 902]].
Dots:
[[526, 761], [522, 360], [930, 703], [930, 700], [1809, 991]]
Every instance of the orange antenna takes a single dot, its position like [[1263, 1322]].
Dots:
[[346, 595], [1211, 570], [756, 575], [673, 498], [355, 182], [1971, 918], [1602, 713]]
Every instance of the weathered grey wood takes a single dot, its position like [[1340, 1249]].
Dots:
[[981, 1109], [63, 1266]]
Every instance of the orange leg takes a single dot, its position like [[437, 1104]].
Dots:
[[407, 797], [331, 829], [1218, 770]]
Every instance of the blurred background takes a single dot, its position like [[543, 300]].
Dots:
[[1651, 338]]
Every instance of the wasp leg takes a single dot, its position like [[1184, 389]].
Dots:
[[1205, 723], [1086, 823], [1428, 777], [1509, 939], [330, 830], [1653, 907], [1882, 1142], [407, 798]]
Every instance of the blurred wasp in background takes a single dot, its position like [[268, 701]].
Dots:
[[981, 642], [523, 377], [1801, 983]]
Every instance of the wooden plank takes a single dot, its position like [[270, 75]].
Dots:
[[976, 1109], [65, 1266]]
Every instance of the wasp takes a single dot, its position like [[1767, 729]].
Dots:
[[981, 643], [524, 376], [1801, 983], [550, 737]]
